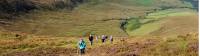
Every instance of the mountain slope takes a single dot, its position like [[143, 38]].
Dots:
[[95, 16]]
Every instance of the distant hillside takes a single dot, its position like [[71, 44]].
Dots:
[[167, 22]]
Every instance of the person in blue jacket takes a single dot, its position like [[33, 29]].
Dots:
[[82, 46]]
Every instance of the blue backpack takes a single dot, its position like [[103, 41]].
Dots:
[[82, 45]]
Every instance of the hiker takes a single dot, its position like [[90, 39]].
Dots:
[[82, 46], [97, 38], [111, 39], [91, 39], [103, 38], [106, 36], [17, 35]]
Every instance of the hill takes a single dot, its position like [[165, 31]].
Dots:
[[139, 27], [48, 18]]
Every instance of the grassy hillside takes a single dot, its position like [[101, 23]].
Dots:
[[96, 16], [139, 27], [166, 22], [67, 46]]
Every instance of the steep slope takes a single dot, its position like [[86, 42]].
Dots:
[[96, 16]]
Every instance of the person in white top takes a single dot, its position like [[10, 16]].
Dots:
[[111, 39], [103, 38], [97, 38]]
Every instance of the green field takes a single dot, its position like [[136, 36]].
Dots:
[[153, 22]]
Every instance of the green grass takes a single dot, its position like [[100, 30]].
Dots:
[[145, 29], [145, 2], [133, 24], [170, 13], [153, 21]]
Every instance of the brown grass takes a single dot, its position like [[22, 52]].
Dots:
[[182, 45]]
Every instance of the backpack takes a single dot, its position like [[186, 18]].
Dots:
[[82, 45]]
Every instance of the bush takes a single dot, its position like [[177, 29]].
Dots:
[[11, 6]]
